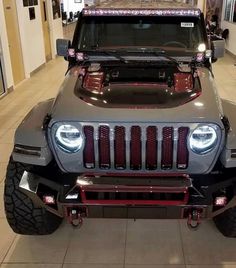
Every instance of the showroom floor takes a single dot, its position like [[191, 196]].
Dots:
[[106, 243]]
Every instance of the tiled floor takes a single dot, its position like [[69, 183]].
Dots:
[[104, 243]]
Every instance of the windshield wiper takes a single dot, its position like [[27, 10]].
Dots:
[[156, 52], [144, 51], [108, 52]]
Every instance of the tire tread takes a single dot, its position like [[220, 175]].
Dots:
[[21, 213]]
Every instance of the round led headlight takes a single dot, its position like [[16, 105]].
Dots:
[[203, 139], [69, 138]]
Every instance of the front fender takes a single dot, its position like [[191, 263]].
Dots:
[[228, 155], [30, 144]]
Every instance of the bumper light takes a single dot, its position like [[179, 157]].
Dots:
[[49, 200], [220, 201]]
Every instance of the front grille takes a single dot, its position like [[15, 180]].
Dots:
[[135, 147]]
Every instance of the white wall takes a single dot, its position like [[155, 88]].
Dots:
[[56, 30], [231, 42], [202, 5], [31, 35], [70, 5], [5, 57]]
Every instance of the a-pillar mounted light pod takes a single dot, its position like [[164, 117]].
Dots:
[[200, 57], [71, 52], [220, 201], [79, 56]]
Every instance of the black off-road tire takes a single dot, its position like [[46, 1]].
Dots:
[[226, 222], [21, 213]]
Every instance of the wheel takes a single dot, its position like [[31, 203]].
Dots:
[[226, 222], [22, 215], [175, 43]]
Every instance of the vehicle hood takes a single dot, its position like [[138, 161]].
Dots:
[[205, 108]]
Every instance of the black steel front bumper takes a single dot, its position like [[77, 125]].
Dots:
[[163, 197]]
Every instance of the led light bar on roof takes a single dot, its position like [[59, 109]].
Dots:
[[142, 12]]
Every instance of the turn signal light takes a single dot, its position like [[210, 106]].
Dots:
[[94, 82]]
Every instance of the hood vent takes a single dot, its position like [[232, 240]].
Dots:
[[94, 82]]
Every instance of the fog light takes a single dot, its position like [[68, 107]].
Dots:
[[220, 201], [83, 182], [49, 200]]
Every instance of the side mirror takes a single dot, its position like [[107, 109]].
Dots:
[[62, 47], [218, 48]]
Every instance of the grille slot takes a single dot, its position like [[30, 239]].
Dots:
[[167, 148], [151, 148], [89, 158], [182, 152], [135, 147], [119, 147], [104, 147]]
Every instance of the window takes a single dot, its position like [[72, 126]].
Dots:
[[230, 10]]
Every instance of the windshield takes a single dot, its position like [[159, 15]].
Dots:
[[114, 32]]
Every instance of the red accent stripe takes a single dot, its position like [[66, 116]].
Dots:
[[151, 148], [104, 147], [182, 151], [119, 147], [135, 148], [167, 148], [89, 159]]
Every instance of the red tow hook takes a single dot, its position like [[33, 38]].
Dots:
[[194, 219], [75, 218]]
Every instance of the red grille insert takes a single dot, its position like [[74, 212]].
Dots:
[[135, 148], [104, 147], [151, 148], [182, 152], [89, 161], [167, 148], [120, 149]]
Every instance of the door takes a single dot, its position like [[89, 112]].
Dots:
[[2, 89], [46, 33], [14, 42]]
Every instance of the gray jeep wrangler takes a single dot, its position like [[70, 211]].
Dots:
[[137, 130]]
